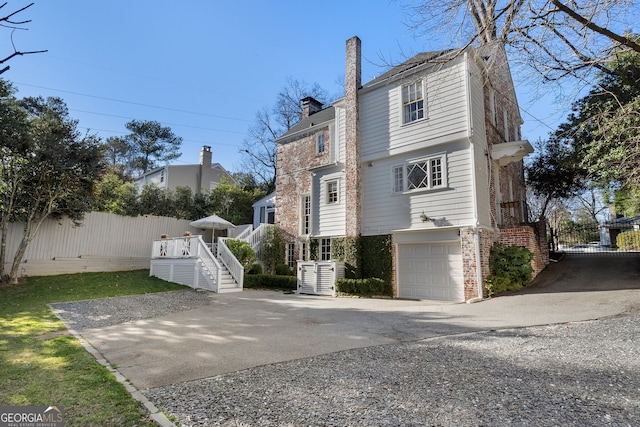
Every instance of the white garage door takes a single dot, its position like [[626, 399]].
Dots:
[[431, 271]]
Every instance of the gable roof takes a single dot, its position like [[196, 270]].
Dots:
[[309, 124], [438, 56]]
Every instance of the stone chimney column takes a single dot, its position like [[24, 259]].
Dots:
[[353, 82], [205, 156]]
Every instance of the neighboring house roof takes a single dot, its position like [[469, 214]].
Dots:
[[309, 124], [155, 170], [269, 198], [623, 222]]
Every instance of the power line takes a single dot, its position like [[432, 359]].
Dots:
[[135, 103], [165, 123], [184, 140]]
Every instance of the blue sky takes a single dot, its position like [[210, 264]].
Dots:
[[201, 67]]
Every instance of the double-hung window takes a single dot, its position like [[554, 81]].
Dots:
[[424, 174], [413, 102], [291, 255], [305, 217], [320, 143], [332, 191], [325, 249]]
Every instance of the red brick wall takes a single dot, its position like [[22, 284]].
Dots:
[[527, 237], [294, 179], [469, 259], [498, 80]]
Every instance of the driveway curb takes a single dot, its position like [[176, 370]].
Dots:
[[155, 414]]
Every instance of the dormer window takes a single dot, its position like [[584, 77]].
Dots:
[[320, 143], [412, 102]]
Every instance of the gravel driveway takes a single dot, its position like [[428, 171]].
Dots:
[[579, 374], [461, 365]]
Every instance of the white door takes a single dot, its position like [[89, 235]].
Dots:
[[430, 271]]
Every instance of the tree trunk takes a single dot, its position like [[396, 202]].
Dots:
[[18, 259], [30, 231], [3, 246]]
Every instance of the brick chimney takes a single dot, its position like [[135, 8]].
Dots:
[[352, 136], [205, 156], [310, 106]]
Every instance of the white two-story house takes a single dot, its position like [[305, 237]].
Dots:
[[429, 153]]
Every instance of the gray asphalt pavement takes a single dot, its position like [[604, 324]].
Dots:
[[233, 332]]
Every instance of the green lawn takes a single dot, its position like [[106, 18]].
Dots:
[[38, 366]]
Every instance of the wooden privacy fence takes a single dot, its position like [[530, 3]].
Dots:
[[102, 242]]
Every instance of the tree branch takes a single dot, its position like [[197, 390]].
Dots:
[[594, 27]]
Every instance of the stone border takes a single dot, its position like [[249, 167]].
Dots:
[[156, 415]]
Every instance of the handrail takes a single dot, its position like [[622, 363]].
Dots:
[[256, 236], [245, 233], [230, 261], [209, 261]]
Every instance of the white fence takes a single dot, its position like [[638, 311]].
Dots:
[[103, 242], [319, 277]]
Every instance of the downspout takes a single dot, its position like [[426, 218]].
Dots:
[[476, 220]]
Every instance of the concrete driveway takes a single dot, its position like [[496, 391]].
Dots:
[[254, 328]]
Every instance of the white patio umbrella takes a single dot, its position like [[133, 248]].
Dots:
[[213, 222]]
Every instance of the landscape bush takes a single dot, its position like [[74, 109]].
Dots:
[[629, 240], [269, 281], [368, 287], [254, 269], [242, 251], [283, 270], [510, 268]]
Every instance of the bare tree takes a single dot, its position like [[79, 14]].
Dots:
[[555, 38], [8, 22], [259, 147]]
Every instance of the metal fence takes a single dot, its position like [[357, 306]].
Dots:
[[618, 237]]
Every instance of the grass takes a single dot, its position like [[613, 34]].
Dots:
[[39, 365]]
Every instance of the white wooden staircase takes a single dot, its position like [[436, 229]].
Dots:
[[189, 261]]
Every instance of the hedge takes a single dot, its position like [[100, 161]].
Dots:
[[268, 281], [364, 287], [629, 240]]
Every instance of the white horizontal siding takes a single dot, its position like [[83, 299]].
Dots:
[[382, 130], [383, 211], [330, 218]]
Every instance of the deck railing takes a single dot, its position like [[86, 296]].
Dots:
[[188, 247], [245, 233]]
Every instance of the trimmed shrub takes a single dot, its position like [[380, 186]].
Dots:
[[242, 251], [283, 270], [629, 240], [364, 287], [510, 268], [272, 249], [254, 269], [266, 281]]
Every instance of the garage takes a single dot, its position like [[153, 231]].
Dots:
[[430, 271]]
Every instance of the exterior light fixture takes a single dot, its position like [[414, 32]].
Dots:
[[424, 217]]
